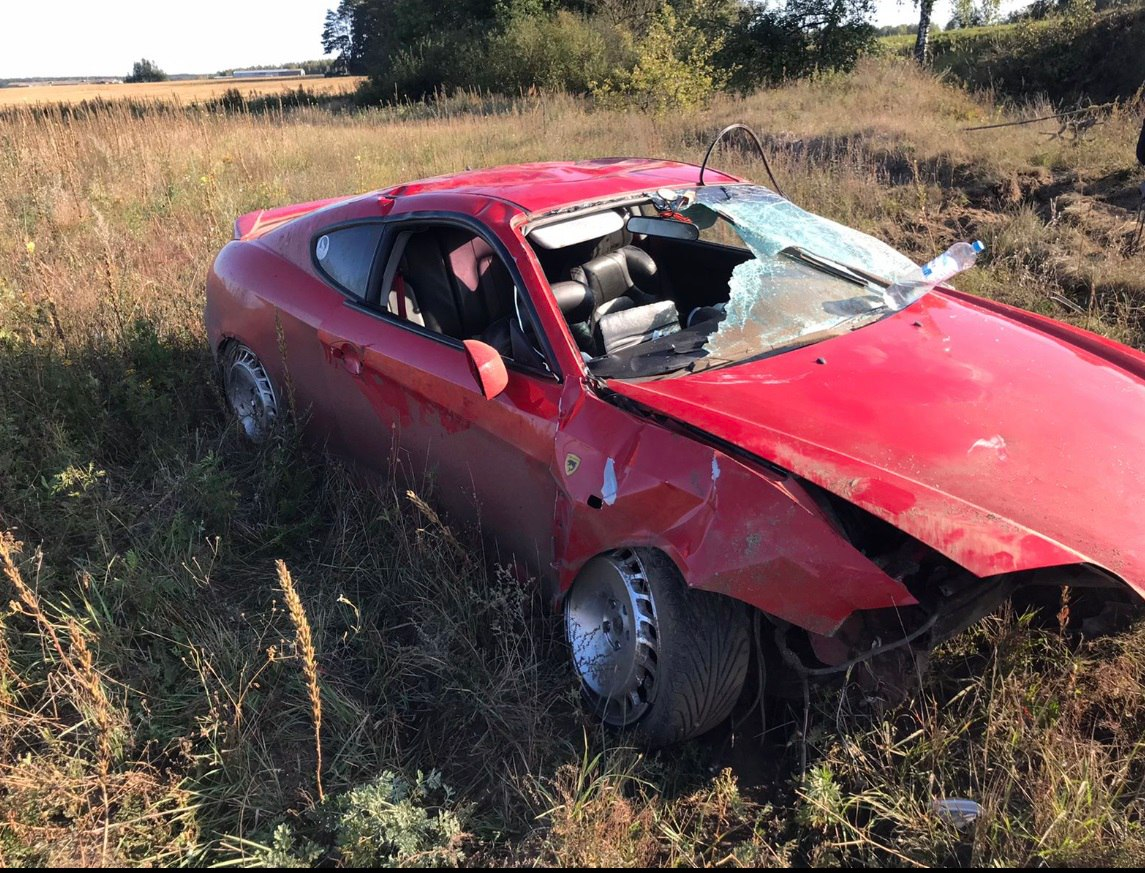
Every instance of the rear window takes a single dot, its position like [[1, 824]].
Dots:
[[346, 256]]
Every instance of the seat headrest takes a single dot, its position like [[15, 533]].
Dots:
[[574, 299], [615, 274], [642, 269], [469, 256], [607, 276]]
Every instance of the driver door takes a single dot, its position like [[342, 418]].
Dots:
[[410, 405]]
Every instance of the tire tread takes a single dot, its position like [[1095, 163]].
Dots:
[[704, 651]]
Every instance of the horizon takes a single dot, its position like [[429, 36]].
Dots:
[[211, 36]]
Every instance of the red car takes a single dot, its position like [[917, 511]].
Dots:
[[694, 412]]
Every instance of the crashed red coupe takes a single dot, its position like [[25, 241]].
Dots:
[[686, 405]]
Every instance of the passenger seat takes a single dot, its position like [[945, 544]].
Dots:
[[626, 295]]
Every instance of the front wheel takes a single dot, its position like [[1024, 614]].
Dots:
[[654, 656]]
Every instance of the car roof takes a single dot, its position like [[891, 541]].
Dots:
[[541, 187]]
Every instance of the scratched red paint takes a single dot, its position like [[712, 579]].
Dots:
[[1015, 450], [1003, 440]]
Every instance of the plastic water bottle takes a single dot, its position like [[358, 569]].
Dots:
[[912, 284]]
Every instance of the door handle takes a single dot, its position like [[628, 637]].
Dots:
[[346, 355]]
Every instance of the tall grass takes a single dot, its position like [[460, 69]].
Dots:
[[305, 642], [148, 710]]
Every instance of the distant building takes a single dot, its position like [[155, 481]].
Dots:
[[266, 74]]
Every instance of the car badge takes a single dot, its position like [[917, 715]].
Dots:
[[572, 464]]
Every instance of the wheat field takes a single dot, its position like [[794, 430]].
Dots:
[[177, 91], [210, 654]]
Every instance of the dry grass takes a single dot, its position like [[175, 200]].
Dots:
[[146, 714], [181, 91], [304, 641]]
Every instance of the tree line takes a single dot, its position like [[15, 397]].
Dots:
[[145, 70], [657, 53]]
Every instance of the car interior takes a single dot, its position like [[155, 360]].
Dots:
[[621, 289], [451, 281], [616, 288]]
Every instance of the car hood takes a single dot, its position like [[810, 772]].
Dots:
[[1004, 440]]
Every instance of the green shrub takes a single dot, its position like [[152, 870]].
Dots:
[[389, 822], [564, 52], [433, 65], [675, 67]]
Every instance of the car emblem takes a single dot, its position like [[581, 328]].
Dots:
[[572, 463]]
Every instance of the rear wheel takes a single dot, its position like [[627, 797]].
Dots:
[[249, 392], [653, 655]]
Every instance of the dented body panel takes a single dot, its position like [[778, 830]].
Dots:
[[1002, 446], [731, 527], [1003, 441]]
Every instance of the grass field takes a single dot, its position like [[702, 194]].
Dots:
[[162, 679], [903, 43], [179, 91]]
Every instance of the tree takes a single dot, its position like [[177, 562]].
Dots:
[[146, 71], [667, 51], [771, 44], [352, 32], [922, 43], [338, 38], [965, 15], [370, 37], [634, 15], [969, 14], [840, 29]]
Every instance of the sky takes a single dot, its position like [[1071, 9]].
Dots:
[[105, 37]]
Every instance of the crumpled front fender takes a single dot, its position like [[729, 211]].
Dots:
[[731, 527]]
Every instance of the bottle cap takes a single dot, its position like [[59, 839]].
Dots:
[[978, 245]]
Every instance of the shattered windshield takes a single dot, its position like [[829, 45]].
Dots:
[[799, 278], [775, 299]]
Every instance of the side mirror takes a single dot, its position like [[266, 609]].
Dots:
[[487, 367]]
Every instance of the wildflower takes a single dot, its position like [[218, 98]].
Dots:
[[31, 247]]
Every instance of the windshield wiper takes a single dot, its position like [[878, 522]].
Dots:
[[851, 322], [845, 272]]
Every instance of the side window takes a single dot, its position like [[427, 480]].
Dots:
[[451, 281], [346, 256]]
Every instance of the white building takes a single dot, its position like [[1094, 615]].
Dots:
[[266, 74]]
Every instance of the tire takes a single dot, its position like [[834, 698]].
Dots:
[[655, 657], [249, 392]]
